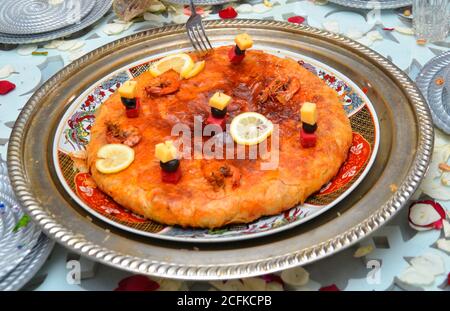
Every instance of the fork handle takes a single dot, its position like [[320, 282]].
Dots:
[[193, 10]]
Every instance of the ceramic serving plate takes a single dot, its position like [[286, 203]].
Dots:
[[404, 149], [73, 135]]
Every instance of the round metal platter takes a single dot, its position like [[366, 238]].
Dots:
[[406, 142], [101, 7], [437, 95], [370, 4], [31, 16]]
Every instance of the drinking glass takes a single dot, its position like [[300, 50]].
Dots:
[[430, 19]]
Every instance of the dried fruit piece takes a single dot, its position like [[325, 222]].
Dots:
[[297, 276], [363, 251]]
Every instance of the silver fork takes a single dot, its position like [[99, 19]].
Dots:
[[196, 31]]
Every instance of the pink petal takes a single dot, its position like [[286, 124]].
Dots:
[[137, 283]]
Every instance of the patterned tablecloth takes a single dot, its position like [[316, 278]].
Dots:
[[394, 245]]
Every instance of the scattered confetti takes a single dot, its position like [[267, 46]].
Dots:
[[393, 187], [6, 87], [137, 283], [35, 53], [267, 3], [429, 263], [244, 8], [260, 8], [363, 251], [22, 223], [443, 244], [116, 28], [332, 26], [329, 288], [228, 13], [413, 277], [405, 30], [354, 34], [388, 29], [6, 71], [53, 44], [446, 228], [296, 19], [26, 50], [295, 277], [421, 41]]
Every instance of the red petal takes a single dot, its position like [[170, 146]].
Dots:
[[438, 224], [137, 283], [198, 10], [228, 12], [296, 19], [6, 87], [448, 279], [329, 288], [272, 278], [388, 29]]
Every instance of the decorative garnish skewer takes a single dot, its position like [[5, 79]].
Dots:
[[237, 53], [218, 103], [308, 116], [167, 155], [128, 96]]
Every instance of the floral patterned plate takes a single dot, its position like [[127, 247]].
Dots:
[[73, 132]]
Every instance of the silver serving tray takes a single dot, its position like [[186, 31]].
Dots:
[[370, 4], [404, 153]]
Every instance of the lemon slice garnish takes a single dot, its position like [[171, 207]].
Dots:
[[250, 128], [198, 67], [181, 63], [113, 158]]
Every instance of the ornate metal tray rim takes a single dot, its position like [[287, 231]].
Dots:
[[360, 4], [234, 270]]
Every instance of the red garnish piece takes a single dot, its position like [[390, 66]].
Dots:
[[329, 288], [307, 140], [228, 12], [171, 177], [448, 279], [137, 283], [365, 90], [133, 112], [296, 19], [221, 122], [436, 206], [233, 57], [388, 29], [6, 87]]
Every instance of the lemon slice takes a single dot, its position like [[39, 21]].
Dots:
[[198, 67], [181, 63], [250, 128], [113, 158]]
